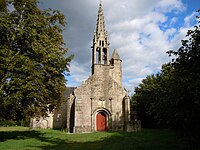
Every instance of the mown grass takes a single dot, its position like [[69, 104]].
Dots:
[[21, 138]]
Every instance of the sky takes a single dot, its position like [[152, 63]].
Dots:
[[142, 31]]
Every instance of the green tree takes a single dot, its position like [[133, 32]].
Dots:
[[33, 60], [2, 6], [186, 84], [151, 97], [172, 96], [143, 97]]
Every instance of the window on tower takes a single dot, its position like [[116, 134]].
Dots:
[[98, 55], [104, 56]]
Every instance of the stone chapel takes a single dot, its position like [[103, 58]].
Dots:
[[100, 103]]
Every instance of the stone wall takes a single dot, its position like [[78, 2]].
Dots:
[[42, 122], [100, 92]]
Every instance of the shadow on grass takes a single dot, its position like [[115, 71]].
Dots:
[[145, 140], [19, 135]]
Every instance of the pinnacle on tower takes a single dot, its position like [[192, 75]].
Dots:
[[115, 54]]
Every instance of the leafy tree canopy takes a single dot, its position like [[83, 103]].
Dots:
[[172, 96], [33, 60], [2, 6]]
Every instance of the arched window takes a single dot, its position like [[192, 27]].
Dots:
[[105, 55], [98, 55]]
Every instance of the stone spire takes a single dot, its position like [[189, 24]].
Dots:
[[100, 26], [100, 47]]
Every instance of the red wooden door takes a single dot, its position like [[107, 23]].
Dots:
[[101, 122]]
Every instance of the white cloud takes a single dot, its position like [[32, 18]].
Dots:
[[143, 42], [166, 6], [142, 31], [188, 19], [79, 73], [173, 21]]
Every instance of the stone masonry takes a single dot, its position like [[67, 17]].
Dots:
[[100, 103]]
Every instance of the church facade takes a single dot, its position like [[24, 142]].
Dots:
[[100, 103]]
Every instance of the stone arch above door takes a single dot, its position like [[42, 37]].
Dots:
[[101, 119]]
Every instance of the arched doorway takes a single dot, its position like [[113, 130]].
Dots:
[[101, 121]]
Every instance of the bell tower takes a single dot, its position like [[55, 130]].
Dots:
[[100, 47]]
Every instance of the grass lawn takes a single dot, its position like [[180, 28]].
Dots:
[[19, 138]]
